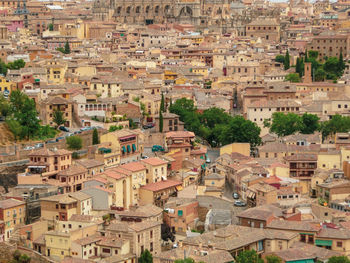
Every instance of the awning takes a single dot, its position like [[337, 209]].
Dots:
[[129, 148], [38, 166], [203, 166], [124, 149], [37, 80], [301, 261], [327, 243], [134, 147], [179, 187]]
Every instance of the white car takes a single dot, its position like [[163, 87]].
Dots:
[[27, 148]]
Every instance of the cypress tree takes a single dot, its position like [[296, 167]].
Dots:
[[66, 48], [297, 67], [286, 61], [160, 121], [341, 64], [95, 139], [306, 58], [162, 104]]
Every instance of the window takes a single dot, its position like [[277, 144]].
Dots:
[[106, 250], [151, 234], [116, 251], [339, 244], [151, 246]]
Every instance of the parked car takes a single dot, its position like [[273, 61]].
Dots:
[[235, 195], [68, 134], [59, 138], [77, 132], [39, 145], [86, 128], [150, 125], [208, 160], [62, 128], [144, 157], [157, 148], [27, 148], [239, 203], [145, 127], [50, 141]]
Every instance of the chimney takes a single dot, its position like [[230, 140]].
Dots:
[[307, 73]]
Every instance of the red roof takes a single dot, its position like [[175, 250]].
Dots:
[[272, 180], [179, 134], [114, 174], [154, 161], [133, 166], [158, 186]]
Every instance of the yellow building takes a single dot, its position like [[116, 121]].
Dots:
[[58, 244], [120, 183], [242, 148], [58, 207], [6, 86], [56, 71], [156, 169], [12, 212], [106, 86], [170, 75], [329, 160]]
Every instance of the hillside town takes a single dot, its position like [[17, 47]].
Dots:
[[188, 131]]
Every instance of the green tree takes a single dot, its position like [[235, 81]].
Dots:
[[320, 74], [15, 127], [17, 64], [58, 118], [132, 124], [17, 99], [3, 68], [285, 124], [28, 118], [60, 49], [214, 116], [160, 121], [146, 257], [182, 106], [313, 54], [240, 130], [292, 77], [286, 62], [95, 139], [331, 67], [4, 106], [50, 27], [162, 104], [273, 259], [338, 123], [298, 67], [113, 128], [74, 142], [248, 256], [306, 59], [280, 59], [339, 259], [310, 123], [341, 64], [66, 48], [24, 258]]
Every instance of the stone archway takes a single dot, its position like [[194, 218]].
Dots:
[[138, 9], [186, 11], [128, 10]]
